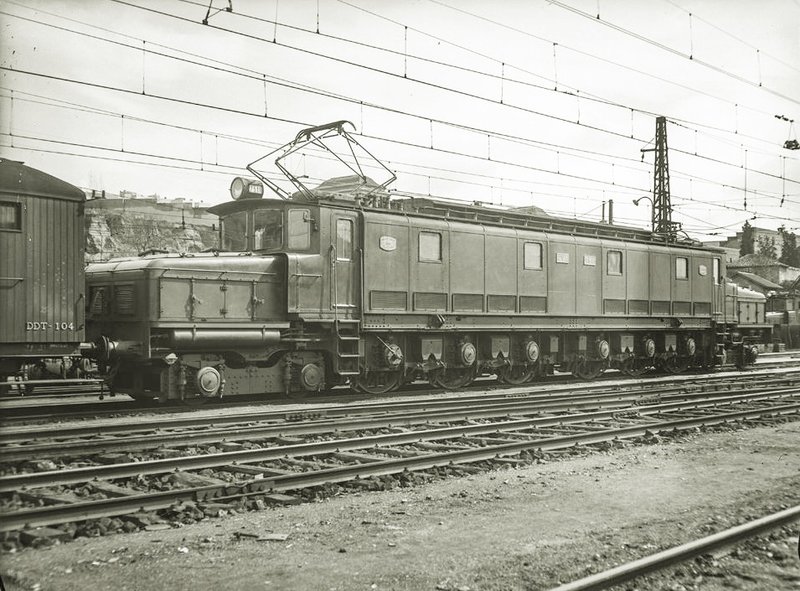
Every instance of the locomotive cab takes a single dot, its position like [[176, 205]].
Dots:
[[268, 226]]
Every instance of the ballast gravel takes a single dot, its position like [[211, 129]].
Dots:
[[522, 527]]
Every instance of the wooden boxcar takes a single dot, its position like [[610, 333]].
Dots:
[[42, 285]]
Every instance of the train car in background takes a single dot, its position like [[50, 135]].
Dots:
[[751, 315], [783, 315], [42, 279]]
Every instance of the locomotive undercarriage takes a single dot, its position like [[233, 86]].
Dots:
[[379, 362], [452, 360]]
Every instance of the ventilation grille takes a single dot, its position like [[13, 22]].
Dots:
[[467, 302], [532, 304], [388, 300], [661, 308], [614, 306], [638, 307], [682, 308], [98, 304], [702, 309], [436, 302], [502, 303], [123, 299]]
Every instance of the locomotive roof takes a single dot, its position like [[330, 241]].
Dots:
[[525, 218], [16, 179]]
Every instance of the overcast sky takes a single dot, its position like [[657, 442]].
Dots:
[[515, 102]]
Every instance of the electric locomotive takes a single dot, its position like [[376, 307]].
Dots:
[[344, 283]]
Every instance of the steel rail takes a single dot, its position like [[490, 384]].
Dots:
[[677, 554], [53, 515], [60, 449], [651, 382], [158, 466], [26, 434]]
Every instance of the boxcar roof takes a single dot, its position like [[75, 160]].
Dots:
[[18, 179]]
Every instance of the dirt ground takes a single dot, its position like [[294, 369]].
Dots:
[[522, 528]]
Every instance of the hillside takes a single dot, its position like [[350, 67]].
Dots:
[[112, 233]]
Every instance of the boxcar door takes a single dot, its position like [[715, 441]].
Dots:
[[345, 262]]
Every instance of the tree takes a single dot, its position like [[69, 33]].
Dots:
[[766, 247], [790, 253], [747, 240]]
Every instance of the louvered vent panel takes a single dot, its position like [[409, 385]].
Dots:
[[702, 309], [661, 308], [613, 306], [638, 307], [467, 302], [388, 300], [682, 308], [436, 302], [536, 304], [502, 303], [123, 299]]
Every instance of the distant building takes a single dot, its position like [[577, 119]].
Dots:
[[752, 281], [733, 244], [764, 267], [177, 210]]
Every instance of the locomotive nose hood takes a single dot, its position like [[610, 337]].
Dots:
[[218, 289]]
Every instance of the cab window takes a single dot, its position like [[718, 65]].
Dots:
[[267, 229], [299, 229], [681, 268], [430, 247], [234, 232], [344, 240], [532, 255], [614, 262]]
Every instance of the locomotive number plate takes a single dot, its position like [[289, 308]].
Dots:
[[49, 326], [388, 243]]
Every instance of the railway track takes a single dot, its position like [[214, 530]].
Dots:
[[14, 410], [672, 556], [362, 449], [19, 444]]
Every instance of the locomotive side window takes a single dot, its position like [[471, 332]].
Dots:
[[681, 268], [267, 229], [234, 232], [532, 255], [715, 271], [344, 240], [614, 262], [10, 216], [299, 229], [430, 247]]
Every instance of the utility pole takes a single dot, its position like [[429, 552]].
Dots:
[[661, 216]]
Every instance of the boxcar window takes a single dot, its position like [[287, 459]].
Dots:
[[234, 232], [299, 229], [614, 262], [430, 246], [681, 268], [10, 216], [267, 229], [532, 255], [344, 240], [715, 271]]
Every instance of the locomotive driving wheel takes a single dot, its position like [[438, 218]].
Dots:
[[452, 378], [634, 367], [674, 365], [516, 375], [378, 382], [588, 369]]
